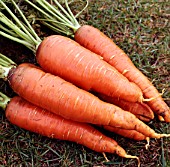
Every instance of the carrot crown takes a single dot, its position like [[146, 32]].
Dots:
[[21, 32], [4, 100], [6, 65], [56, 17]]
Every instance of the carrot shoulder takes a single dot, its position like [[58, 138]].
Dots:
[[62, 98], [35, 119], [96, 41], [64, 57]]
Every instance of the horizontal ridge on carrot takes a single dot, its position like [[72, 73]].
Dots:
[[96, 41], [35, 119], [64, 57]]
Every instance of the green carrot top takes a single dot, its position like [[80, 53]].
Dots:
[[4, 100], [21, 32]]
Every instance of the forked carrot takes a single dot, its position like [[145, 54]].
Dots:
[[62, 20], [35, 119], [140, 110], [63, 98], [64, 57]]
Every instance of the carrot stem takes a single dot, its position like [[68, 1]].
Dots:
[[22, 32], [6, 65], [65, 17], [54, 28], [28, 24], [4, 100], [62, 9], [53, 11], [87, 3], [4, 71], [70, 12], [5, 61]]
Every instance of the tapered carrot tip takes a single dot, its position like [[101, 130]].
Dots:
[[161, 118], [134, 157], [148, 143], [164, 135], [158, 136], [153, 98], [107, 160], [125, 156], [150, 99]]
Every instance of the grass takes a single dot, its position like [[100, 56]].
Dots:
[[141, 29]]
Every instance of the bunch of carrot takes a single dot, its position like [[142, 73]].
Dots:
[[58, 94], [94, 40]]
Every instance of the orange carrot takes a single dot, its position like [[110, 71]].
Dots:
[[35, 119], [62, 98], [83, 68], [140, 110], [94, 40]]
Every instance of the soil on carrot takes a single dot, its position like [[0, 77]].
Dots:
[[141, 29]]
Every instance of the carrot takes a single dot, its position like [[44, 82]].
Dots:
[[84, 68], [94, 40], [140, 110], [35, 119], [63, 98], [81, 66]]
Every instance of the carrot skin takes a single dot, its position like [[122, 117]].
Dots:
[[94, 40], [140, 110], [63, 98], [131, 134], [35, 119], [64, 57]]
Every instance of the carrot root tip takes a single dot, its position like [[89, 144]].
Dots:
[[164, 135], [125, 71], [134, 157], [150, 99], [158, 136], [153, 98], [107, 160], [148, 143], [161, 118]]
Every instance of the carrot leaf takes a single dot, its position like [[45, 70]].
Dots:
[[56, 17], [4, 100], [6, 65]]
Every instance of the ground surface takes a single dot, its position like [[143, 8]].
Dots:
[[141, 29]]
